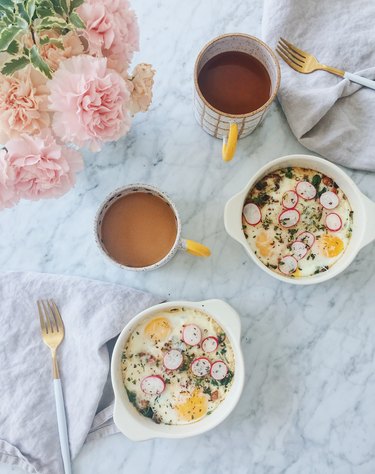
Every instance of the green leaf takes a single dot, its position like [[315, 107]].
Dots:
[[13, 47], [45, 8], [75, 4], [7, 5], [76, 20], [64, 6], [56, 41], [51, 22], [7, 18], [57, 7], [7, 35], [23, 13], [30, 8], [38, 62], [14, 65]]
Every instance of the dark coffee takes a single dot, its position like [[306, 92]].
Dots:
[[235, 83]]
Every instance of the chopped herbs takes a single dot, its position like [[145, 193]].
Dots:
[[316, 180], [289, 173]]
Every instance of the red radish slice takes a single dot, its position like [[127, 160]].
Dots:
[[329, 200], [306, 190], [290, 199], [307, 238], [299, 249], [201, 366], [191, 334], [219, 370], [173, 359], [153, 385], [252, 214], [210, 344], [289, 218], [333, 222], [288, 264]]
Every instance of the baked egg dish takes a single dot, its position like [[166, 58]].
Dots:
[[297, 221], [177, 366]]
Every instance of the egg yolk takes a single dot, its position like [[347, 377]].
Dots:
[[297, 273], [194, 407], [331, 246], [158, 329], [263, 243]]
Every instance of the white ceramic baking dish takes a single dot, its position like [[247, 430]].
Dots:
[[363, 214], [137, 427]]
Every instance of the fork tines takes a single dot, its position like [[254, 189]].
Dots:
[[292, 55], [50, 318]]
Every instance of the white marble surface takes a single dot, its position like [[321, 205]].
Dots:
[[308, 403]]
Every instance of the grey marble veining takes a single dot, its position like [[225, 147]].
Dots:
[[308, 403]]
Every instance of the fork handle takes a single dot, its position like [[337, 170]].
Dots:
[[62, 426], [360, 80]]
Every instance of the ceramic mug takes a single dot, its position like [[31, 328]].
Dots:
[[226, 126], [190, 246]]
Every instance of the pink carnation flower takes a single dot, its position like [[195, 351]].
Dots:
[[34, 167], [140, 87], [23, 103], [72, 46], [8, 196], [90, 102], [111, 31]]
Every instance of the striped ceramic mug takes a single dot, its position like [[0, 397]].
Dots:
[[219, 124]]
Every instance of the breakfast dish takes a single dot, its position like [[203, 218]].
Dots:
[[297, 221], [177, 366]]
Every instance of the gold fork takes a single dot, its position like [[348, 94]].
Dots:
[[304, 62], [53, 332]]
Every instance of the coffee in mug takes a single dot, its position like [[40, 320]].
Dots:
[[236, 78], [138, 227]]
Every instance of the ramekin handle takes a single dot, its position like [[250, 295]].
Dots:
[[232, 216], [370, 221], [226, 312]]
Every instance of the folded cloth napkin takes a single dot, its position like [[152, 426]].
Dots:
[[93, 313], [328, 114]]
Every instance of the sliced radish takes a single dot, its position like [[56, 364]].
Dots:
[[173, 359], [191, 334], [153, 385], [307, 238], [306, 190], [333, 222], [329, 200], [288, 264], [290, 199], [210, 344], [219, 370], [289, 218], [201, 366], [252, 214], [299, 249]]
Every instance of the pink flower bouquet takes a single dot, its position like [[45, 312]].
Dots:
[[64, 84]]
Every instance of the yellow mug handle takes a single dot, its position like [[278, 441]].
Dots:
[[229, 146], [195, 248]]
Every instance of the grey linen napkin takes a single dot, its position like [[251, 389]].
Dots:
[[93, 313], [327, 114]]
